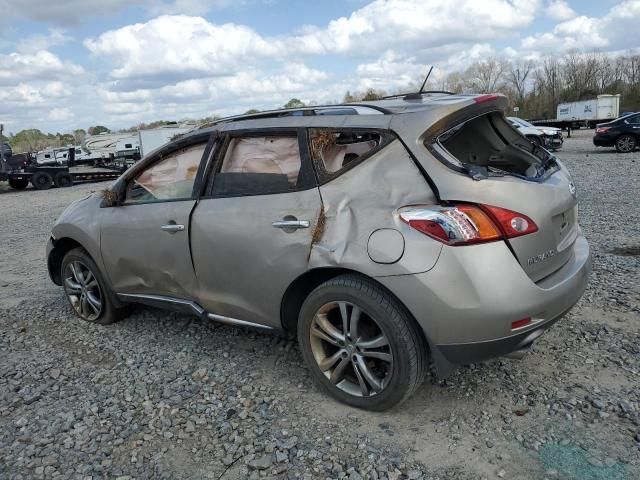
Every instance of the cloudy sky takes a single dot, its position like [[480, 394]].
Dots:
[[69, 64]]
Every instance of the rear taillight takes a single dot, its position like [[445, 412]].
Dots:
[[602, 129], [465, 224], [486, 98]]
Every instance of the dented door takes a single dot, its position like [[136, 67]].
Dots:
[[145, 248], [245, 257]]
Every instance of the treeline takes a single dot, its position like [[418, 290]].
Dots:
[[537, 87]]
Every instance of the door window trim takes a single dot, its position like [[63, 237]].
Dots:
[[306, 173]]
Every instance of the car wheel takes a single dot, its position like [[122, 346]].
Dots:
[[360, 344], [626, 143], [41, 180], [63, 179], [18, 183], [86, 289]]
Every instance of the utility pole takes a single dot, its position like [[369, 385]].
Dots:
[[2, 162]]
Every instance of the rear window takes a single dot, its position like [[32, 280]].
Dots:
[[488, 145]]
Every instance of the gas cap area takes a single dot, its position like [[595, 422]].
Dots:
[[385, 245]]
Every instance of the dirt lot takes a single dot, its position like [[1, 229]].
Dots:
[[161, 395]]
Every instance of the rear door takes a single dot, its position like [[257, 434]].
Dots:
[[252, 231]]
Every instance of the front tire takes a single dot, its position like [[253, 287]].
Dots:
[[626, 143], [360, 344], [86, 290], [18, 183]]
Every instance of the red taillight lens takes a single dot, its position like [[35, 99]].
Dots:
[[513, 224], [520, 323], [602, 129], [465, 224]]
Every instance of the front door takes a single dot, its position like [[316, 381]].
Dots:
[[252, 231], [145, 241]]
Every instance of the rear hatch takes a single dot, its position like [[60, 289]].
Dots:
[[481, 158]]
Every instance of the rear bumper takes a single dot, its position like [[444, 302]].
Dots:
[[604, 141], [466, 304]]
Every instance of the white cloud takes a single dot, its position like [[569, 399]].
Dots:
[[60, 114], [613, 31], [67, 12], [172, 48], [43, 65], [559, 10], [38, 42], [188, 7], [423, 23]]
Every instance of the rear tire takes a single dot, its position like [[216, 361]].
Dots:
[[375, 366], [63, 180], [41, 181], [626, 143], [18, 183], [86, 290]]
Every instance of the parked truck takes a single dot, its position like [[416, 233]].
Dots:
[[585, 113]]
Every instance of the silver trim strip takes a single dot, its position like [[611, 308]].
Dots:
[[198, 310], [293, 224], [235, 321]]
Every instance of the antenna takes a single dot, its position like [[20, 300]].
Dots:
[[424, 84]]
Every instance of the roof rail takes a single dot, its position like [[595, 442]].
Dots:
[[417, 95], [287, 112]]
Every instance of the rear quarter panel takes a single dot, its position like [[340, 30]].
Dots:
[[365, 199]]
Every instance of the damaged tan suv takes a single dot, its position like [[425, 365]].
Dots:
[[390, 235]]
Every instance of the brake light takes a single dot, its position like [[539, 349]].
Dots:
[[486, 98], [602, 129], [520, 323], [465, 224]]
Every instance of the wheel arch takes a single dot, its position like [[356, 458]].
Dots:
[[54, 260]]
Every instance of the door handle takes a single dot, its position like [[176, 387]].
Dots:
[[172, 228], [291, 224]]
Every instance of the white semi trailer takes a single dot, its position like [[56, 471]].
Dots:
[[585, 113]]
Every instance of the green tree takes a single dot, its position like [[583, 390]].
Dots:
[[98, 129], [294, 103], [253, 110]]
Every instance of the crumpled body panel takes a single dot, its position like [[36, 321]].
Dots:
[[365, 199]]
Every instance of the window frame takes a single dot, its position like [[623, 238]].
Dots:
[[387, 137], [306, 168], [209, 142]]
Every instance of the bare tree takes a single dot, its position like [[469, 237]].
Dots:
[[517, 77], [486, 76]]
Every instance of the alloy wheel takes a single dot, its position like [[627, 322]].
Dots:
[[351, 349], [83, 290], [626, 144]]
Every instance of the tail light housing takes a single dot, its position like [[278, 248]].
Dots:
[[602, 129], [466, 224]]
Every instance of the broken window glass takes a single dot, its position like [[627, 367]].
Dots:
[[334, 150]]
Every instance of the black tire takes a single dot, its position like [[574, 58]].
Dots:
[[41, 181], [18, 183], [405, 342], [63, 179], [626, 143], [108, 312]]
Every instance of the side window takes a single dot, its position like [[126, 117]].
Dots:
[[635, 120], [335, 150], [171, 178], [259, 165]]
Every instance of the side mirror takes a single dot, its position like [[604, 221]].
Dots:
[[114, 195]]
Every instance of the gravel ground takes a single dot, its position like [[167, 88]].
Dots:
[[161, 395]]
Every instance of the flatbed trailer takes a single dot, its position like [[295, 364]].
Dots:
[[44, 177]]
